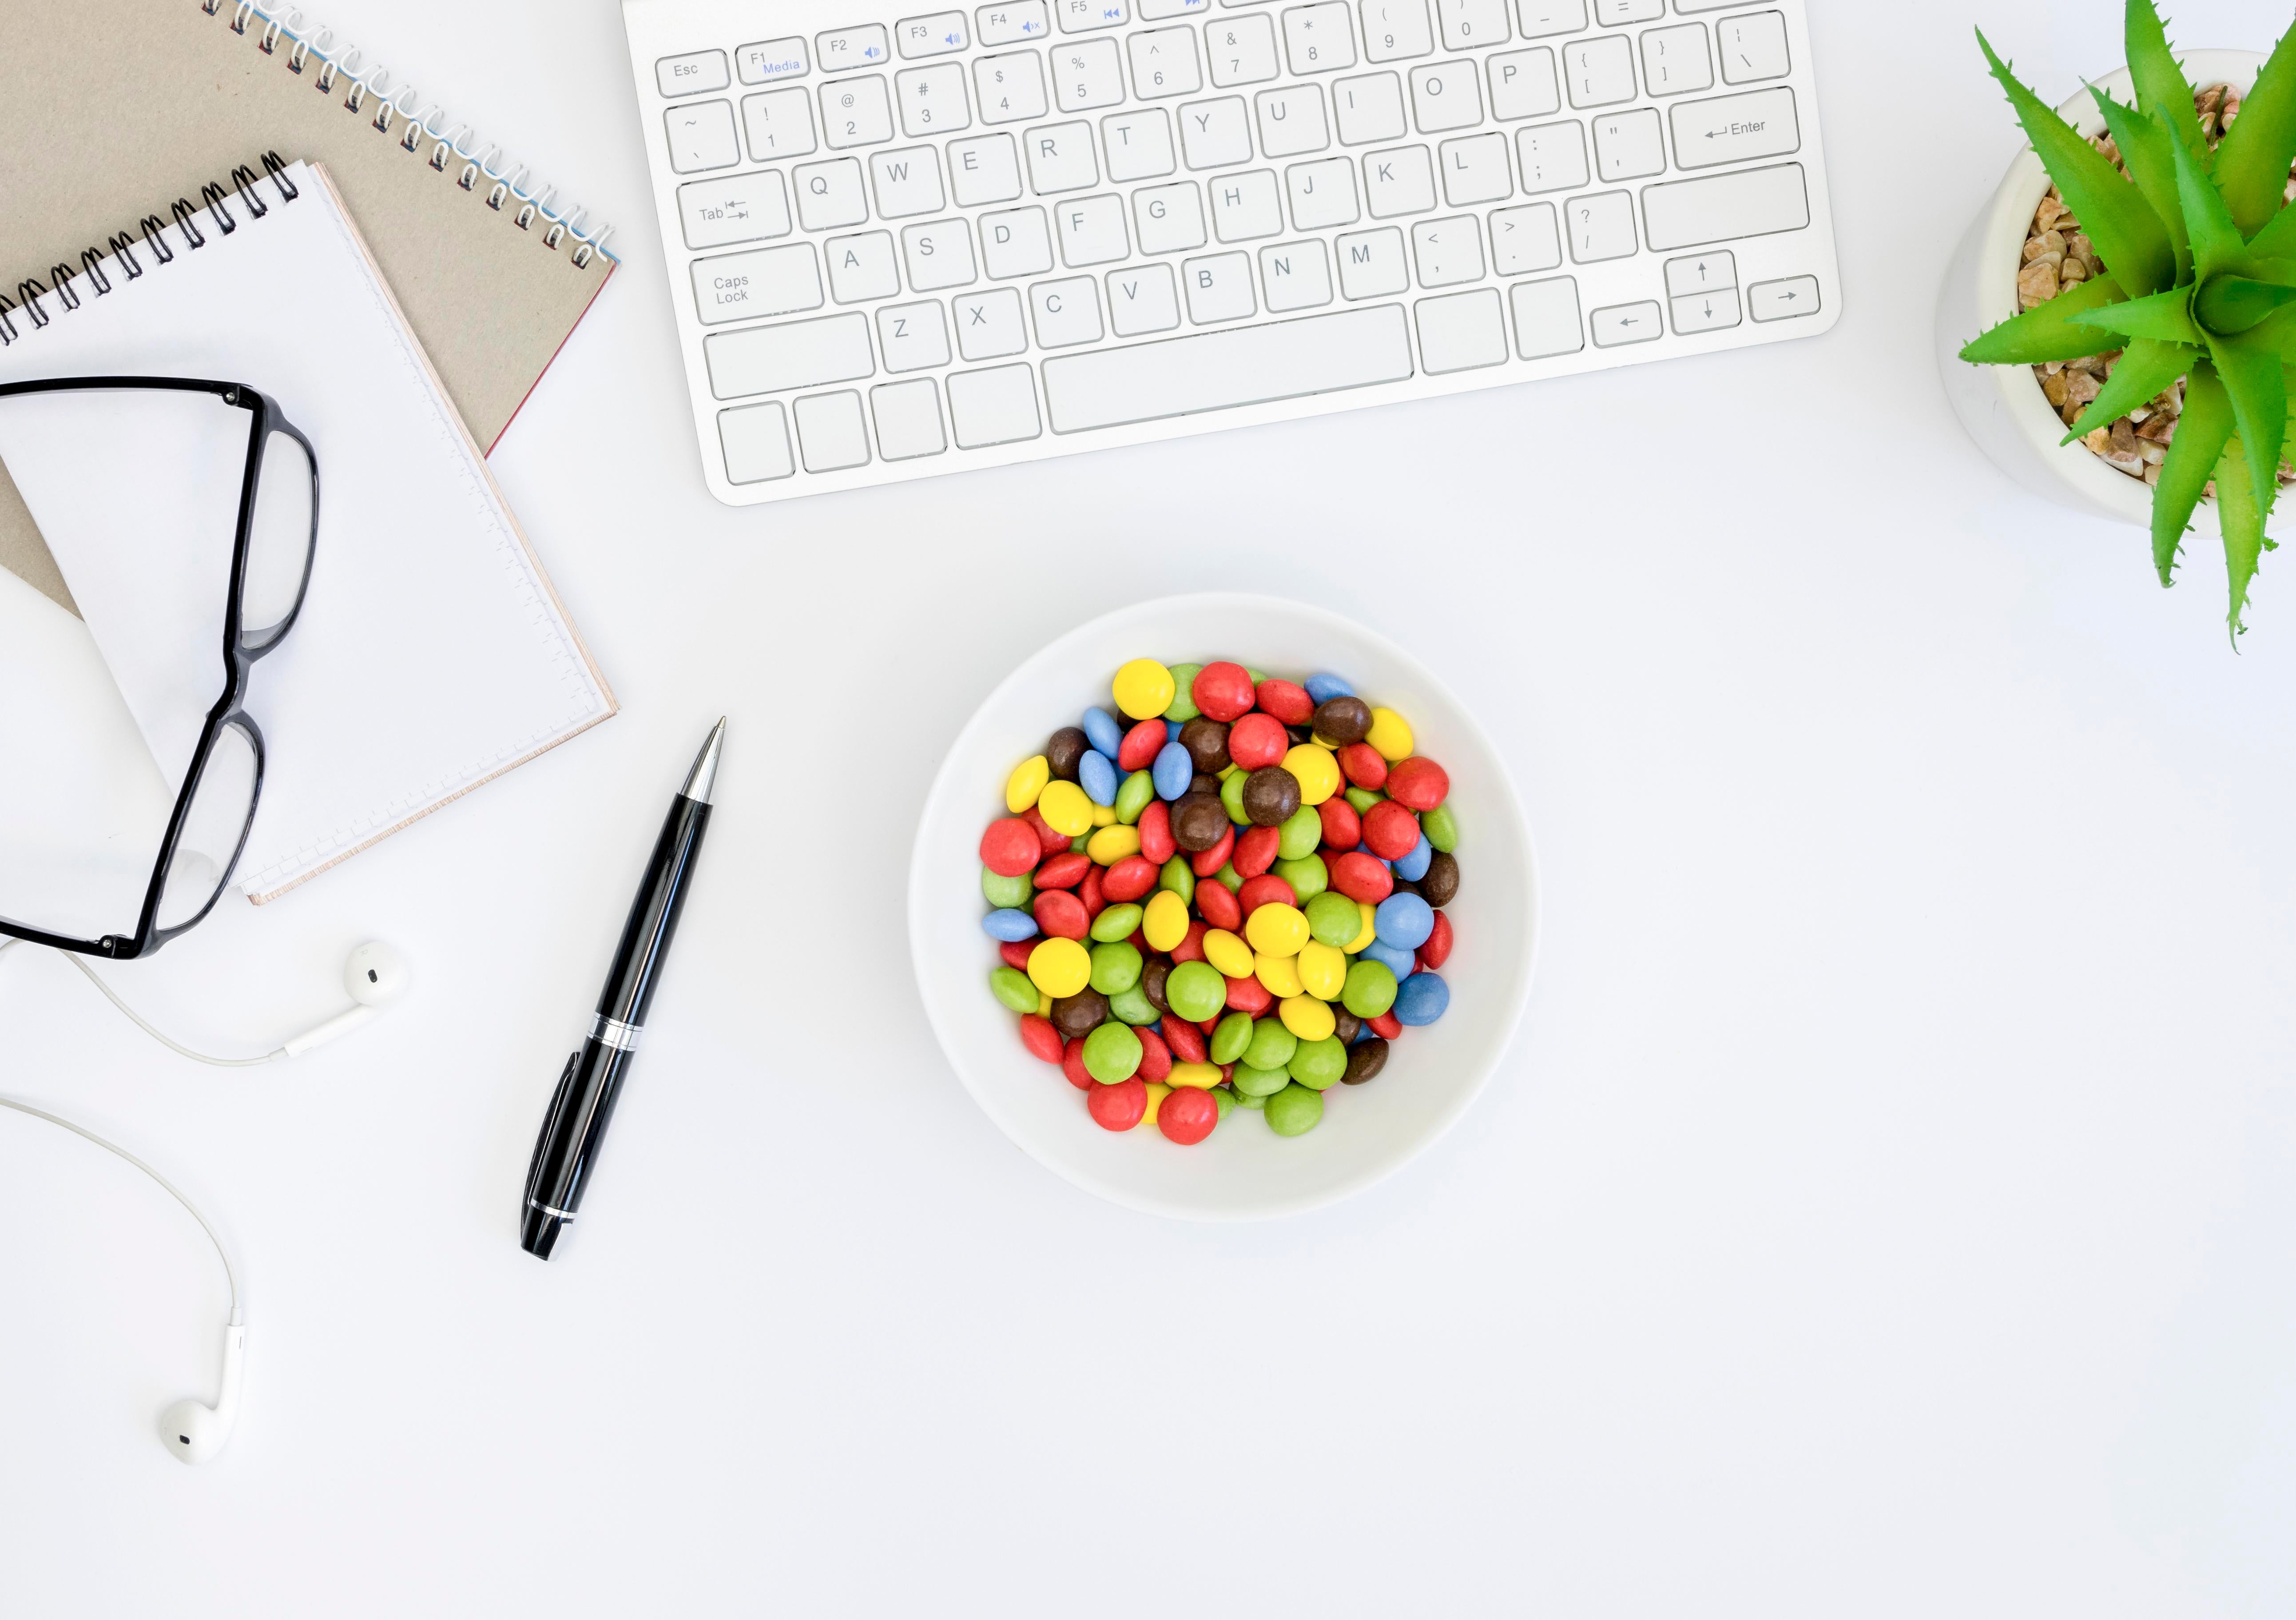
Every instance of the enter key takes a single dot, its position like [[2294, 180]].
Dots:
[[1734, 128]]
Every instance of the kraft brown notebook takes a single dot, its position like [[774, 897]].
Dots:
[[491, 277]]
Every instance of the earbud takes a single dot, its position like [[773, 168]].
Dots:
[[374, 975], [195, 1432]]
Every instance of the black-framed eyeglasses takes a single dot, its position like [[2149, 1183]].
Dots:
[[274, 544]]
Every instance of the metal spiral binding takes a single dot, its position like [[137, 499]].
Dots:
[[91, 265], [30, 290], [152, 225], [7, 327], [61, 276], [123, 249]]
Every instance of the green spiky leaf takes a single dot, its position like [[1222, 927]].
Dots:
[[2046, 331], [2252, 162], [2139, 375], [2234, 303], [2218, 246], [2242, 522], [2277, 240], [2161, 87], [2203, 428], [2165, 316], [2129, 237], [2251, 375], [2146, 149]]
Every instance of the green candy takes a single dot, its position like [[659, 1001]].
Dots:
[[1008, 891], [1116, 923], [1370, 989], [1294, 1111], [1195, 991], [1115, 965], [1077, 844], [1183, 707], [1334, 919], [1233, 1035], [1271, 1046], [1231, 876], [1180, 878], [1245, 1100], [1363, 798], [1227, 1101], [1300, 835], [1258, 676], [1307, 876], [1249, 1081], [1112, 1054], [1134, 1007], [1319, 1065], [1441, 828], [1232, 799], [1012, 987], [1134, 797]]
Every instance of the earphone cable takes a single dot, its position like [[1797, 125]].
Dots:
[[135, 1017]]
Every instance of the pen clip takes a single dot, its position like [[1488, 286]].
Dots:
[[549, 1119]]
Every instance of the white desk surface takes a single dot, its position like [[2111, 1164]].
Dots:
[[1885, 1208]]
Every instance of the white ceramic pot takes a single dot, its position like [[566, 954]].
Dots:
[[2003, 406]]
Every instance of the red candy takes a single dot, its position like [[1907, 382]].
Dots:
[[1140, 745], [1042, 1040], [1257, 741], [1206, 862], [1223, 690], [1359, 877], [1054, 842], [1364, 765], [1419, 783], [1256, 851], [1249, 995], [1010, 847], [1217, 905], [1389, 830], [1387, 1027], [1156, 1057], [1063, 870], [1342, 827], [1187, 1041], [1188, 1115], [1118, 1107], [1062, 915], [1072, 1065], [1095, 901], [1436, 951], [1192, 948], [1156, 833], [1015, 953], [1288, 703], [1267, 890], [1129, 879]]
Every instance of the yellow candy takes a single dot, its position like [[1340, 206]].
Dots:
[[1227, 771], [1317, 771], [1065, 809], [1112, 843], [1026, 782], [1276, 929], [1228, 954], [1156, 1094], [1165, 922], [1390, 734], [1308, 1018], [1203, 1076], [1060, 967], [1044, 1003], [1144, 688], [1279, 974], [1103, 815], [1322, 970], [1367, 933]]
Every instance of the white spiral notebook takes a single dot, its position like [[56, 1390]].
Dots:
[[431, 654]]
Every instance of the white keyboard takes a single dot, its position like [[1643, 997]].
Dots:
[[905, 245]]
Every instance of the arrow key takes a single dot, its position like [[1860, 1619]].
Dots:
[[1704, 311], [1783, 299], [1619, 324]]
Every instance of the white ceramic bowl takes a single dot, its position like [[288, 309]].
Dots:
[[1244, 1170]]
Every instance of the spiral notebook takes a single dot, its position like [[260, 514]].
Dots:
[[432, 653], [110, 111]]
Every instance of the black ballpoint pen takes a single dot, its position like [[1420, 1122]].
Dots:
[[567, 1150]]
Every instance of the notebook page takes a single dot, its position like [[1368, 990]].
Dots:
[[432, 653]]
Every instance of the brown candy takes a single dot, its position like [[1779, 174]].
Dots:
[[1344, 1025], [1205, 741], [1365, 1061], [1079, 1015], [1201, 784], [1067, 747], [1271, 797], [1343, 720], [1199, 821], [1404, 885], [1441, 886], [1153, 975]]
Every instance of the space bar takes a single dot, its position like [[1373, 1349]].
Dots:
[[1218, 370]]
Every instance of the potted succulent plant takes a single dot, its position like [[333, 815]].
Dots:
[[2137, 280]]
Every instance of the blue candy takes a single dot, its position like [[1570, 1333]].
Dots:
[[1096, 775], [1402, 921], [1399, 962], [1009, 924], [1420, 999], [1414, 867], [1174, 770], [1171, 730], [1101, 731], [1324, 688], [1364, 1031]]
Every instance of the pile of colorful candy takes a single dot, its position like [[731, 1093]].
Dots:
[[1231, 898]]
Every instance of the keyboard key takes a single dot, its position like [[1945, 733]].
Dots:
[[1216, 370], [934, 36], [1213, 133], [1083, 16], [779, 124], [1139, 144], [1551, 156], [996, 25], [701, 136], [1322, 194], [1704, 311], [767, 281], [1060, 159], [1246, 206], [739, 208], [913, 336], [1700, 273], [1291, 121], [1091, 231], [862, 267], [1009, 87], [1015, 243], [937, 255], [1629, 145], [1220, 287], [1243, 49], [997, 406], [1170, 218], [1369, 109], [1475, 170], [907, 182], [1752, 47], [1599, 71], [829, 193], [692, 74], [1617, 14], [1462, 331], [1444, 96], [1164, 64], [1162, 10], [1675, 61], [1319, 38], [1722, 207], [1371, 264], [908, 419], [1545, 318], [1783, 299], [1539, 19], [1395, 30], [1525, 239], [769, 60], [1600, 226], [755, 439], [1066, 312], [1398, 181], [988, 325], [1142, 299], [1295, 275], [856, 112], [830, 431], [855, 47], [986, 168], [796, 354], [1087, 74], [1734, 128], [1623, 323], [932, 99], [1469, 25], [1522, 84], [1448, 252]]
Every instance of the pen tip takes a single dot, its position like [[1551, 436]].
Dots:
[[703, 777]]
